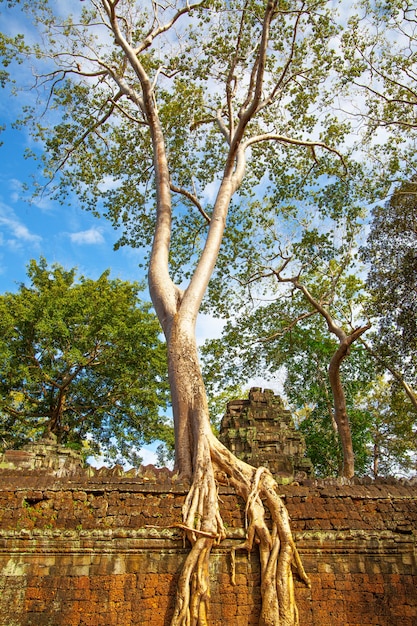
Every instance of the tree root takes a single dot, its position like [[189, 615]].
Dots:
[[204, 528]]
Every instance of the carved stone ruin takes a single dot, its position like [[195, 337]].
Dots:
[[43, 455], [261, 431]]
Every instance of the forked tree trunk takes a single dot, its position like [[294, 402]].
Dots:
[[199, 455]]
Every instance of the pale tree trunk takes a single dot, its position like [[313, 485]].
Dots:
[[206, 462], [200, 457]]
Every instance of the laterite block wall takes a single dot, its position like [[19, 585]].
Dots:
[[101, 549]]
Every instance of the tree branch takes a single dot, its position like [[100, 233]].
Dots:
[[296, 142], [192, 198]]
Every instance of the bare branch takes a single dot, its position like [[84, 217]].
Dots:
[[87, 132], [289, 327], [193, 199], [312, 145], [162, 28]]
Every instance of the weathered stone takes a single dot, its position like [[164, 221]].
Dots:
[[100, 547], [261, 431], [83, 551], [44, 455]]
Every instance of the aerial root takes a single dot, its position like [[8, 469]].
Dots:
[[193, 590], [204, 527], [277, 550]]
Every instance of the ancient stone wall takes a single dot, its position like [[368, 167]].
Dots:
[[101, 548]]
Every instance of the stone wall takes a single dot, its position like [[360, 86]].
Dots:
[[101, 548]]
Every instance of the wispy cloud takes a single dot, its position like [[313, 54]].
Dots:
[[91, 236], [18, 193], [15, 231]]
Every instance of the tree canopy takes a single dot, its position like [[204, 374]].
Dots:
[[82, 359], [391, 250]]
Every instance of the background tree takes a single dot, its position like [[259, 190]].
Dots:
[[392, 446], [308, 273], [310, 396], [391, 251], [345, 338], [81, 358]]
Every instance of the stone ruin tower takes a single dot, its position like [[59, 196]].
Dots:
[[261, 431]]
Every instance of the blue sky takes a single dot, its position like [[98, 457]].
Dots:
[[62, 234]]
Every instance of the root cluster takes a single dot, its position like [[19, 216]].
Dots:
[[204, 528]]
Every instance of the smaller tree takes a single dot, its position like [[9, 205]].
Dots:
[[392, 447], [309, 391], [80, 359], [345, 341]]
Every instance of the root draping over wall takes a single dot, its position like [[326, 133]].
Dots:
[[105, 547]]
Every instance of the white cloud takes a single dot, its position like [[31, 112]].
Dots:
[[18, 194], [148, 456], [211, 190], [91, 236], [19, 232]]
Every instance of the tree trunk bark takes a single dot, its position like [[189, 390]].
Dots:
[[340, 412], [189, 402]]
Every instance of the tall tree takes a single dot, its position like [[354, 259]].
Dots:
[[81, 358], [391, 253], [153, 106]]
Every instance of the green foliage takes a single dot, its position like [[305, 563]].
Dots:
[[392, 447], [391, 252], [378, 65], [81, 358], [97, 143]]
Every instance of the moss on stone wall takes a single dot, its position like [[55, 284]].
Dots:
[[100, 547]]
